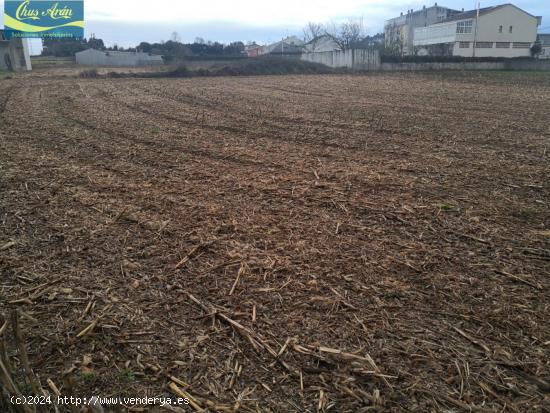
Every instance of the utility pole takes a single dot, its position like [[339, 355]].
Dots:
[[475, 31]]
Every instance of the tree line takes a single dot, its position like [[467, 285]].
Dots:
[[171, 49], [348, 34]]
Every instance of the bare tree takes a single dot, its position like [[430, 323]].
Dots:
[[312, 34], [175, 37], [396, 43], [347, 34]]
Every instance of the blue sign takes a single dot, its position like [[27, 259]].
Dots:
[[44, 19]]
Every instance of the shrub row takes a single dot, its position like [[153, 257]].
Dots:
[[249, 67]]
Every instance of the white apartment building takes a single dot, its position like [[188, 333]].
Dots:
[[498, 31], [399, 31]]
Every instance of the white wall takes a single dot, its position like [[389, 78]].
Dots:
[[509, 52], [27, 54], [93, 57], [90, 57], [361, 59], [524, 26], [461, 66], [17, 51]]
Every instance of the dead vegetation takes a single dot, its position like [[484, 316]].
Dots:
[[307, 243], [89, 73], [249, 67]]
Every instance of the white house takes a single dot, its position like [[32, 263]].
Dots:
[[320, 44], [289, 45], [93, 57], [498, 31]]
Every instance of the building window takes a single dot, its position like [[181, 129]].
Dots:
[[511, 29], [503, 45], [500, 29], [464, 26], [521, 45], [464, 45], [484, 45]]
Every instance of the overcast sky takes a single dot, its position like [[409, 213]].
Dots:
[[127, 22]]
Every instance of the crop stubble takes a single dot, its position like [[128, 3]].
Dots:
[[292, 243]]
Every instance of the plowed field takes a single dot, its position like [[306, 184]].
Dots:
[[289, 243]]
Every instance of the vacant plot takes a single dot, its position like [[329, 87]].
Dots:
[[286, 243]]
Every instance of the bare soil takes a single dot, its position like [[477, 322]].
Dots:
[[338, 243]]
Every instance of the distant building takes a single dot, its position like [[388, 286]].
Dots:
[[320, 44], [254, 50], [499, 31], [376, 41], [14, 54], [544, 41], [399, 31], [290, 46], [93, 57]]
